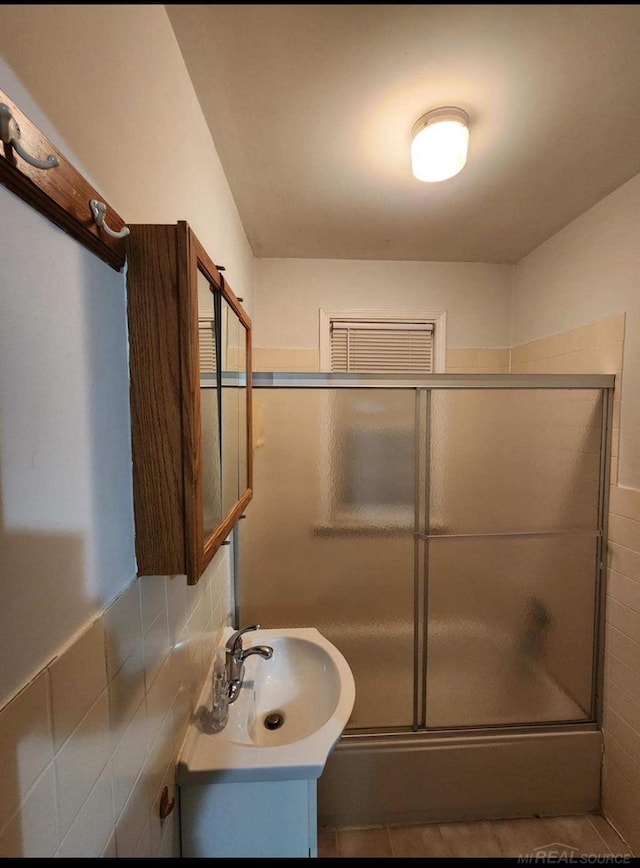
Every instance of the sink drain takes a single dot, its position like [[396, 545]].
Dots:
[[274, 720]]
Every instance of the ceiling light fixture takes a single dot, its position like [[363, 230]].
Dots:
[[440, 144]]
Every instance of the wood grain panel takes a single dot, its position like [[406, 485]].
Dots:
[[190, 401], [62, 194], [163, 264], [156, 418], [213, 543], [249, 409]]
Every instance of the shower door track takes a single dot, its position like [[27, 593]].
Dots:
[[320, 380], [486, 731]]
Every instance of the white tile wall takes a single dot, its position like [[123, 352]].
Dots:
[[122, 628], [478, 360], [32, 830], [87, 746], [621, 779], [93, 825], [126, 693], [78, 677], [80, 761], [598, 348], [155, 648], [128, 758], [26, 744]]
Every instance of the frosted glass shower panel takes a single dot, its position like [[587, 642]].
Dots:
[[212, 513], [328, 541], [514, 460], [510, 630], [370, 459]]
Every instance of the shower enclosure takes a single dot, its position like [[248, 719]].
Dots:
[[447, 535]]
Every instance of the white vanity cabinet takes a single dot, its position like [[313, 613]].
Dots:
[[249, 791], [253, 819]]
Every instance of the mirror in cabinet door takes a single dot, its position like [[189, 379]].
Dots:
[[190, 361], [210, 420], [234, 406]]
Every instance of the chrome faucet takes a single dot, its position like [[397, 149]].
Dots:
[[236, 655]]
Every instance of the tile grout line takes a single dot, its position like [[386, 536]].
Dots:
[[620, 660], [55, 771], [593, 826], [390, 842], [495, 837], [91, 791], [622, 602], [622, 633], [621, 747], [629, 848], [625, 691], [623, 773], [49, 692]]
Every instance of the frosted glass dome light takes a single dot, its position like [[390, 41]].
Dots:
[[440, 144]]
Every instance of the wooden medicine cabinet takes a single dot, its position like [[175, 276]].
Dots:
[[190, 364]]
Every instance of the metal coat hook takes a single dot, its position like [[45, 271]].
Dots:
[[99, 211], [166, 805], [10, 135]]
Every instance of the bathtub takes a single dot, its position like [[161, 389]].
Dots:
[[431, 777], [477, 676]]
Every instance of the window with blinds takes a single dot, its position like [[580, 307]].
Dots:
[[382, 347], [207, 344]]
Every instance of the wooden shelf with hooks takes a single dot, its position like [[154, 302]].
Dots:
[[60, 193]]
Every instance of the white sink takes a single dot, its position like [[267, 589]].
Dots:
[[308, 682]]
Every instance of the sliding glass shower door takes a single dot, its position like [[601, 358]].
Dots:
[[513, 539], [447, 540], [328, 539]]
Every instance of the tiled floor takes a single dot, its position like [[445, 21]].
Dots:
[[563, 836]]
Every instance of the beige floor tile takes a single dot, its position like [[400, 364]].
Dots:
[[580, 830], [576, 832], [585, 835], [609, 835], [363, 843], [471, 840], [327, 843], [558, 834], [519, 837], [418, 842]]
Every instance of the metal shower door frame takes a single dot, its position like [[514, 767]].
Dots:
[[423, 388]]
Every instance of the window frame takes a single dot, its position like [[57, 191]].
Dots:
[[438, 319]]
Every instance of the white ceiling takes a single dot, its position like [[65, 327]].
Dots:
[[311, 109]]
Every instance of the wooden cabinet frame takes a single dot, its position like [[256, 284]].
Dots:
[[163, 265]]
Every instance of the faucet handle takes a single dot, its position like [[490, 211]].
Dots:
[[236, 638]]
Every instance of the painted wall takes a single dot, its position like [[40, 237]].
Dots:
[[290, 292], [114, 81], [588, 271], [67, 515], [104, 670]]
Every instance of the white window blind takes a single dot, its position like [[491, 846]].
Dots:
[[382, 347], [207, 344]]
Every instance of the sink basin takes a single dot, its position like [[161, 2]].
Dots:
[[300, 684], [289, 714]]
